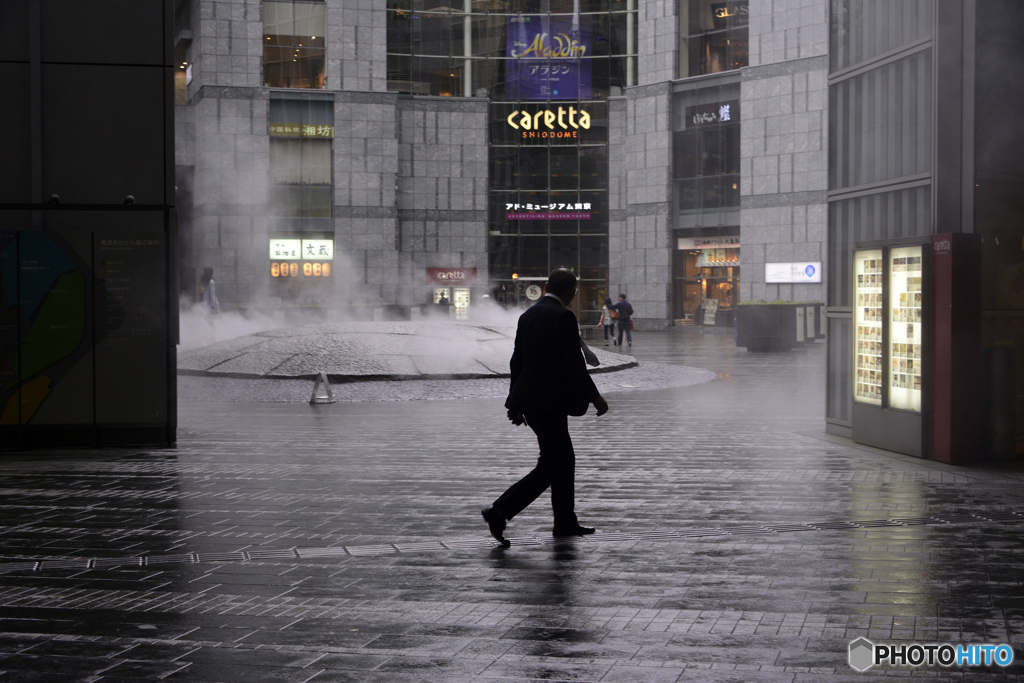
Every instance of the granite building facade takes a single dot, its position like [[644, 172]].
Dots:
[[667, 150]]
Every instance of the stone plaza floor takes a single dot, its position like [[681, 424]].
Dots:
[[280, 541]]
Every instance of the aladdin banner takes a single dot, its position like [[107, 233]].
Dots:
[[548, 58]]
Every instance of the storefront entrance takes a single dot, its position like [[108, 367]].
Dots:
[[705, 279]]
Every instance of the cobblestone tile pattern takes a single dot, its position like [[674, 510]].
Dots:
[[318, 529]]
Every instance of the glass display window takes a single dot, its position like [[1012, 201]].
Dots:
[[868, 312], [905, 328]]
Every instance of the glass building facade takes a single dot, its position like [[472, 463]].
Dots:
[[547, 69], [706, 120], [706, 203]]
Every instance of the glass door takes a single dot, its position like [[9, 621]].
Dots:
[[868, 318], [461, 302], [905, 331]]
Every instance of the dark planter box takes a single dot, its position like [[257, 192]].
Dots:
[[773, 327]]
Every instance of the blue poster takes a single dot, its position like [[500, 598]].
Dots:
[[549, 58]]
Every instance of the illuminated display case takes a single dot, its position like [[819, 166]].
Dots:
[[891, 344], [868, 360]]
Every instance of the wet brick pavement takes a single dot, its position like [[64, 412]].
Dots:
[[288, 542]]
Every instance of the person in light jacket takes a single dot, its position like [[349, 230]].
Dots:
[[607, 321], [208, 289]]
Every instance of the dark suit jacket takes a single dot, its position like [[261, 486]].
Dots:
[[548, 370], [625, 310]]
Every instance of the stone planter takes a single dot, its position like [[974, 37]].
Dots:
[[777, 327]]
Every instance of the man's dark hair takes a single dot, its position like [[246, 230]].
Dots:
[[561, 282], [622, 296]]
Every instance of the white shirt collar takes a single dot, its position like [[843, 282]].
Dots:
[[555, 297]]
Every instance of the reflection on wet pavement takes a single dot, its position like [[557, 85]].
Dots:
[[284, 542]]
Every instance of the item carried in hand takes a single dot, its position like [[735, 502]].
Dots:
[[631, 326], [615, 315]]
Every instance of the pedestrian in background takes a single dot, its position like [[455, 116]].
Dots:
[[607, 321], [625, 312], [208, 290], [549, 383]]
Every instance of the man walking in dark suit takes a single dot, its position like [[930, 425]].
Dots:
[[549, 383]]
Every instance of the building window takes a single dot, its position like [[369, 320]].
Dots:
[[301, 154], [713, 36], [183, 41], [706, 154], [300, 176], [293, 44], [510, 51]]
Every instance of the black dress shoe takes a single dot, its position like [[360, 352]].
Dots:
[[573, 530], [496, 523]]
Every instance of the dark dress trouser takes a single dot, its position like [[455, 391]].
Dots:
[[556, 468], [625, 327]]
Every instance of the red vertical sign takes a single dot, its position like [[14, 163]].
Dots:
[[956, 347]]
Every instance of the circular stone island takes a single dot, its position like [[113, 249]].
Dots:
[[369, 351]]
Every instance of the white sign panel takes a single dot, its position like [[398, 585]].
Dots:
[[710, 312], [295, 250], [286, 249], [789, 273], [533, 292], [318, 250]]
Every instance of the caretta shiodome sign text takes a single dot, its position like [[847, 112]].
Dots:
[[451, 276], [531, 123]]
